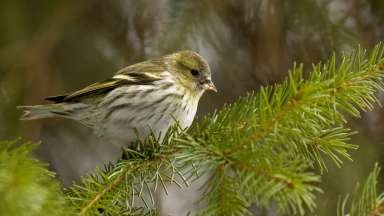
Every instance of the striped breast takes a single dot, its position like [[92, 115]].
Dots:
[[132, 111]]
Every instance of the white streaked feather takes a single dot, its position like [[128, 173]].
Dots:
[[130, 78], [124, 77], [120, 125]]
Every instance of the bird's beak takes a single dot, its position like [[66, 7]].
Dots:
[[208, 85]]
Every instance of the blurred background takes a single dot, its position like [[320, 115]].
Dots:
[[51, 47]]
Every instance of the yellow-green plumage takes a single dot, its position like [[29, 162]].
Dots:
[[139, 99]]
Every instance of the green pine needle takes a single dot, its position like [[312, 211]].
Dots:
[[26, 186], [267, 149], [259, 150], [365, 201]]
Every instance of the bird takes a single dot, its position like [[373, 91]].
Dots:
[[145, 98]]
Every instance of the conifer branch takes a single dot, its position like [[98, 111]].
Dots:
[[259, 149], [109, 187], [365, 201], [330, 87], [26, 186]]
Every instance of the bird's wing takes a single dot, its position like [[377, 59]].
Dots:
[[91, 90], [138, 74]]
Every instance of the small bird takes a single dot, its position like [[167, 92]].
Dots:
[[144, 98]]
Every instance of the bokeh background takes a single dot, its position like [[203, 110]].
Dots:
[[50, 47]]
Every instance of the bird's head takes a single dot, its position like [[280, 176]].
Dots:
[[191, 71]]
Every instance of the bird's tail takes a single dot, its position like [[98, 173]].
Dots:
[[41, 111]]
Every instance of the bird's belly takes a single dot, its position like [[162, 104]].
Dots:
[[126, 126]]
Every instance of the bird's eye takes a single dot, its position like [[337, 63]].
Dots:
[[195, 72]]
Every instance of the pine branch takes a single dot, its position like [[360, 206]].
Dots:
[[349, 87], [258, 150], [129, 184], [26, 186], [366, 201], [221, 190], [271, 176], [300, 117]]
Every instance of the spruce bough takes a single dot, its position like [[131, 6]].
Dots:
[[267, 149]]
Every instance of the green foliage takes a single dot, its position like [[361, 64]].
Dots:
[[365, 201], [128, 187], [26, 186], [259, 150], [267, 149]]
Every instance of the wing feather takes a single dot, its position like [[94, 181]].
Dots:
[[138, 74], [94, 89]]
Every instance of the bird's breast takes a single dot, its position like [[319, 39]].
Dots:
[[147, 109]]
